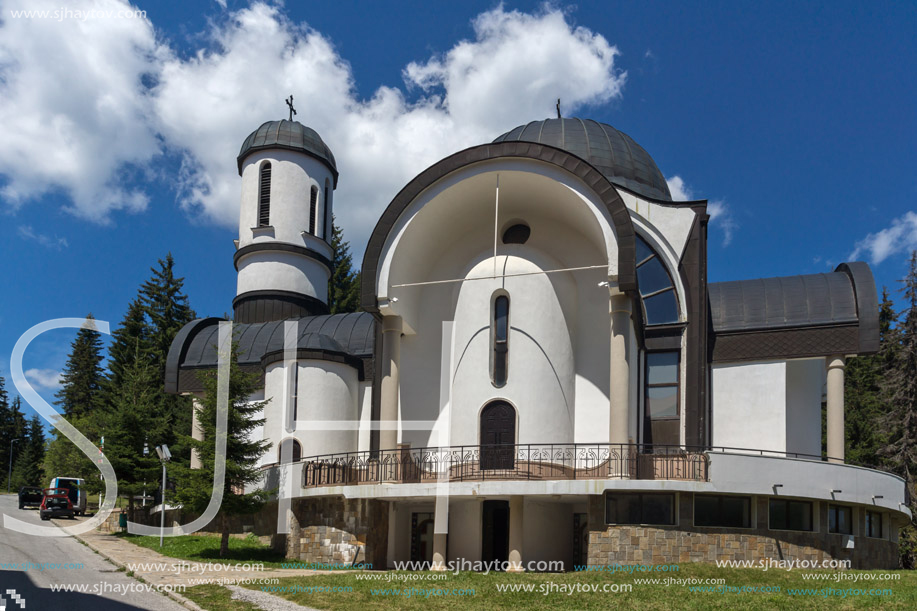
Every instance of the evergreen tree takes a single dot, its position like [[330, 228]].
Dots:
[[81, 382], [12, 426], [131, 336], [344, 286], [866, 401], [242, 454], [168, 311], [27, 468], [131, 421], [64, 459]]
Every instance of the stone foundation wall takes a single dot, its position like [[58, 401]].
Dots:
[[335, 530], [630, 544]]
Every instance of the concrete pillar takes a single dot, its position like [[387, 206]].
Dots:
[[440, 532], [836, 408], [391, 355], [619, 376], [197, 432], [516, 504], [392, 535]]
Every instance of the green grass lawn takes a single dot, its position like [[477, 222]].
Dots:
[[206, 548], [642, 595]]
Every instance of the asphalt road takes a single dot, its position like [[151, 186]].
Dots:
[[106, 588]]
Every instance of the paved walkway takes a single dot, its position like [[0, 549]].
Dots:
[[159, 570]]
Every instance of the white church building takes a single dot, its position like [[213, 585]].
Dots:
[[541, 371]]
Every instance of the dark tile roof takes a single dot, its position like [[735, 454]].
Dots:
[[349, 336], [611, 152], [290, 135]]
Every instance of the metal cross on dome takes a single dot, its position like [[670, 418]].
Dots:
[[290, 104]]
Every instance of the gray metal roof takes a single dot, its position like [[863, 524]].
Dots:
[[782, 303], [611, 152], [349, 336], [290, 135]]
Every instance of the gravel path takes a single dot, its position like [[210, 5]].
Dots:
[[266, 601]]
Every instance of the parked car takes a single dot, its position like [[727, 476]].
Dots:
[[56, 504], [30, 495], [77, 495]]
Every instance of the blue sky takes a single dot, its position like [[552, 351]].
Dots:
[[796, 120]]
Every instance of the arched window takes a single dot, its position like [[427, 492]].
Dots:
[[657, 291], [264, 196], [313, 202], [284, 445], [500, 339], [326, 211], [498, 436]]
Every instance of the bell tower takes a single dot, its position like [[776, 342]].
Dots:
[[283, 255]]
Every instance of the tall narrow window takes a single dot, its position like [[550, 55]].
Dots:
[[500, 334], [661, 399], [326, 206], [657, 291], [313, 202], [264, 196]]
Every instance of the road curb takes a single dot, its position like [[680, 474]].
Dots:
[[185, 602]]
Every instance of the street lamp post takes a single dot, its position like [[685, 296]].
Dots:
[[9, 473], [164, 457]]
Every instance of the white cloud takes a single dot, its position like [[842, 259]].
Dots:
[[73, 107], [27, 233], [79, 118], [44, 378], [900, 236], [719, 211], [511, 72]]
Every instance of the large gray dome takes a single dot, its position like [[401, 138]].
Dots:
[[290, 135], [613, 153]]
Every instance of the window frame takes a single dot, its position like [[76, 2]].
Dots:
[[499, 347], [868, 524], [834, 510], [770, 524], [640, 496], [264, 194], [650, 295], [313, 208], [720, 498]]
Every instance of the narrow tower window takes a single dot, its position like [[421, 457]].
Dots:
[[264, 196], [313, 202], [327, 204], [500, 334]]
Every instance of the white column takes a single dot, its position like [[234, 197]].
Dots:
[[836, 408], [391, 355], [197, 432], [516, 504], [619, 376]]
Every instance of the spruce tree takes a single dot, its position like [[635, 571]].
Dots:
[[12, 426], [344, 285], [131, 336], [242, 453], [81, 382], [168, 311], [27, 468]]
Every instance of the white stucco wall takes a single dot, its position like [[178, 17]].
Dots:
[[366, 415], [285, 271], [328, 392], [548, 531], [465, 529], [805, 380], [748, 404]]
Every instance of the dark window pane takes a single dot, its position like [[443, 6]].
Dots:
[[499, 367], [839, 520], [661, 308], [501, 314], [736, 512], [643, 250], [799, 515], [706, 510], [662, 368], [665, 433], [662, 402], [777, 515], [517, 234], [652, 276], [658, 509]]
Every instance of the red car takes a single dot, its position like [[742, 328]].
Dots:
[[55, 504]]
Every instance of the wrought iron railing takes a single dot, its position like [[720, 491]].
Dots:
[[568, 461]]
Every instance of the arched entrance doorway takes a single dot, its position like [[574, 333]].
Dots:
[[498, 436]]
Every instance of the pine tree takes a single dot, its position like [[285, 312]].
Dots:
[[27, 469], [168, 311], [865, 398], [242, 454], [132, 335], [344, 286], [131, 421], [81, 382], [12, 426]]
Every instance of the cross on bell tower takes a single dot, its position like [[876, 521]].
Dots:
[[290, 104]]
